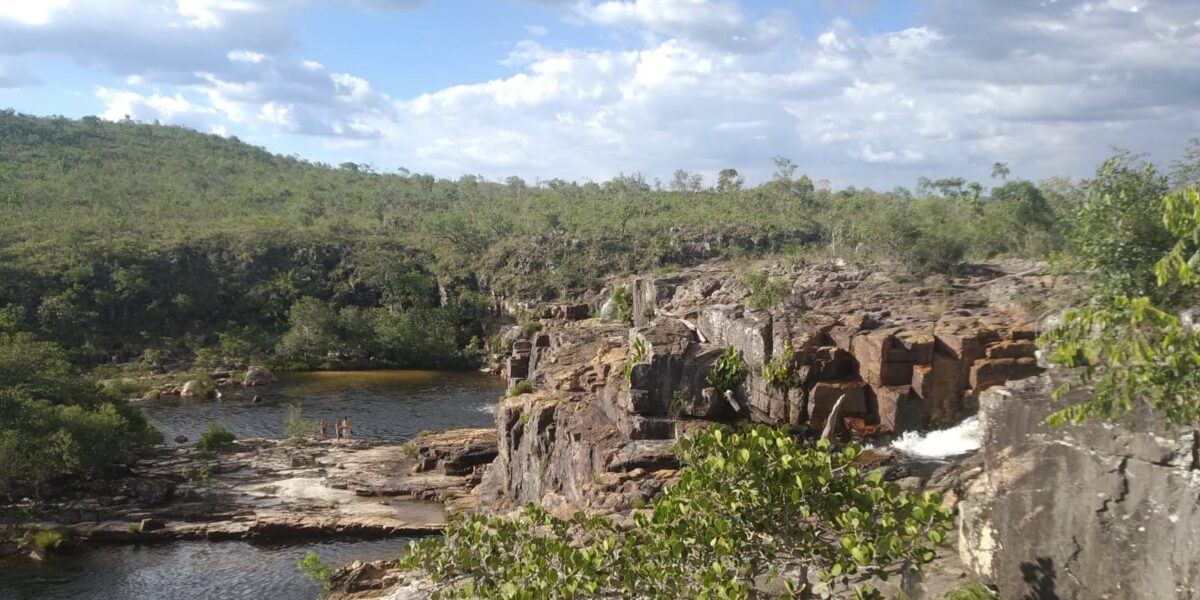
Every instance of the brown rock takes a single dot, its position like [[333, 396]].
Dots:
[[1012, 349], [824, 394], [991, 372], [899, 408]]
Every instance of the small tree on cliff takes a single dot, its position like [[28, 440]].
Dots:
[[1133, 351], [749, 508]]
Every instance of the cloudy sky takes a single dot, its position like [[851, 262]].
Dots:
[[863, 92]]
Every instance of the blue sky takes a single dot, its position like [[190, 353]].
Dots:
[[867, 93]]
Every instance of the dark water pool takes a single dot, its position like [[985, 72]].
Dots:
[[385, 405], [382, 405], [183, 571]]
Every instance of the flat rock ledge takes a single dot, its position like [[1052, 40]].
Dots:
[[273, 490]]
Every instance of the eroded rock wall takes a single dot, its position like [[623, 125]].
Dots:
[[905, 356], [1087, 512]]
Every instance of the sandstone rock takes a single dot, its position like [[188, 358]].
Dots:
[[878, 364], [256, 376], [191, 389], [1012, 349], [899, 408], [991, 372], [150, 524], [824, 394]]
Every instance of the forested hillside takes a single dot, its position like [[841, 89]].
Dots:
[[127, 240]]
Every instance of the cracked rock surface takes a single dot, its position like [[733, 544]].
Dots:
[[1093, 511]]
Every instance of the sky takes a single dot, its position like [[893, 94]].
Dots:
[[861, 92]]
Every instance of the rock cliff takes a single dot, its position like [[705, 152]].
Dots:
[[609, 399], [1094, 511]]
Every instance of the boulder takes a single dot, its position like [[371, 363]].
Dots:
[[191, 389], [882, 360], [256, 376]]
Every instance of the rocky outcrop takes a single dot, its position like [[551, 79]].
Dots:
[[1091, 511], [270, 490], [256, 376], [900, 356]]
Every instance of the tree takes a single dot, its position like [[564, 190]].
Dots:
[[1117, 233], [1001, 171], [1131, 350], [729, 180], [749, 507]]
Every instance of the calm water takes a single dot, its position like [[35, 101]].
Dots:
[[383, 405], [183, 570], [389, 405]]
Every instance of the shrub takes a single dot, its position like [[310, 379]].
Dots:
[[637, 354], [530, 328], [295, 427], [765, 293], [728, 373], [971, 591], [622, 306], [215, 438], [315, 569], [744, 504], [522, 387]]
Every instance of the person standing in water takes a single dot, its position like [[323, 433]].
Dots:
[[324, 432], [337, 428], [346, 427]]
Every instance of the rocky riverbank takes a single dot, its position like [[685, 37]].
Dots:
[[271, 490]]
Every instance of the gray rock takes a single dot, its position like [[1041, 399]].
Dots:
[[1080, 512], [256, 376]]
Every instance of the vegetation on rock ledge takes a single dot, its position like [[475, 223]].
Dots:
[[751, 514]]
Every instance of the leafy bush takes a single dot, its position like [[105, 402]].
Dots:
[[728, 373], [747, 507], [1134, 353], [765, 293], [622, 306], [215, 438], [55, 423], [295, 427], [315, 569], [530, 328], [521, 388], [972, 591], [637, 355]]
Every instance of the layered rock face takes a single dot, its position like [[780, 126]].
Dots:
[[1095, 511], [610, 400]]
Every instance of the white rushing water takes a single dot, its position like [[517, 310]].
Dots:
[[943, 443]]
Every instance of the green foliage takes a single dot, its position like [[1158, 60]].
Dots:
[[315, 569], [637, 354], [780, 372], [522, 387], [728, 373], [1132, 351], [55, 423], [1117, 234], [530, 328], [295, 427], [746, 506], [215, 438], [972, 591], [622, 306], [765, 293]]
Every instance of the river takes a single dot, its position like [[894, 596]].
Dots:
[[385, 405]]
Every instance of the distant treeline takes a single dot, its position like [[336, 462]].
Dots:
[[127, 240]]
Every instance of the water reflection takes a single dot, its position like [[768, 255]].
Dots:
[[385, 405], [183, 570]]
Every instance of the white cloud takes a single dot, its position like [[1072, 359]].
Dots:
[[31, 13], [701, 84]]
